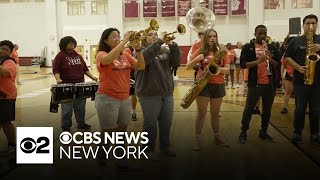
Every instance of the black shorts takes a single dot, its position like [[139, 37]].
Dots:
[[288, 77], [213, 91], [7, 110]]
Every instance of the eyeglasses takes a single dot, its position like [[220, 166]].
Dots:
[[152, 34], [115, 37], [3, 48]]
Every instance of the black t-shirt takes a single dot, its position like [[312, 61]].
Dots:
[[297, 51]]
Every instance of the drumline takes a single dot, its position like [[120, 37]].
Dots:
[[63, 93]]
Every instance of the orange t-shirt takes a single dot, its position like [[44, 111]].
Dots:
[[231, 55], [115, 77], [289, 69], [196, 46], [8, 84], [262, 68], [15, 56], [218, 79]]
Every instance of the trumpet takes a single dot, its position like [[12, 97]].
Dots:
[[265, 46], [181, 29], [138, 36]]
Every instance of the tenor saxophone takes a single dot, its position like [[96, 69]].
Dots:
[[210, 70], [311, 59]]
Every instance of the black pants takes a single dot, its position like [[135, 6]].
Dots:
[[305, 95], [174, 70], [267, 93]]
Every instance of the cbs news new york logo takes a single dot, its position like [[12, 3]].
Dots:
[[34, 145]]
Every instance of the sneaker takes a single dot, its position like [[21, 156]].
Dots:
[[175, 78], [284, 111], [196, 146], [169, 152], [256, 111], [11, 148], [133, 116], [243, 137], [265, 136], [296, 139], [232, 87], [85, 127], [19, 83], [315, 139]]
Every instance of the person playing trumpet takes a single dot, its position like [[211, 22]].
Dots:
[[114, 66], [154, 88], [214, 91]]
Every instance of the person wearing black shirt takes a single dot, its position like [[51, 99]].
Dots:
[[305, 94], [261, 81]]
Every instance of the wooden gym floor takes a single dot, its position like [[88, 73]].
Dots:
[[255, 159]]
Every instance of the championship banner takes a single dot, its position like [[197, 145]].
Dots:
[[149, 8], [220, 7], [168, 8], [238, 7], [183, 7], [131, 8]]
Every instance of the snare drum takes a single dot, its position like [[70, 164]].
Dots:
[[83, 90], [62, 93]]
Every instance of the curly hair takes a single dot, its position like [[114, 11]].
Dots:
[[7, 43], [106, 33], [65, 41]]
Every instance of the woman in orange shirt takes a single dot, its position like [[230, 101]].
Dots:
[[114, 66], [214, 91]]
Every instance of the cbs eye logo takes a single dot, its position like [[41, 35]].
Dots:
[[29, 145]]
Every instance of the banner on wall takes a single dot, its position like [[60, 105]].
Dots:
[[168, 8], [220, 7], [238, 7], [149, 8], [183, 7], [131, 8]]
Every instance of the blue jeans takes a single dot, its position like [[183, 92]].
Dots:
[[79, 107], [157, 109]]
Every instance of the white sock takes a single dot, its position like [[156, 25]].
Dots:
[[133, 111]]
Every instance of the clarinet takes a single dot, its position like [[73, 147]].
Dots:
[[265, 46]]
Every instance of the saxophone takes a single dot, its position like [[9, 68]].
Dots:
[[311, 59], [210, 70]]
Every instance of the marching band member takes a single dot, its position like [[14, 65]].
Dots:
[[287, 76], [114, 66], [305, 94], [232, 57], [193, 49], [132, 91], [261, 80], [214, 91], [8, 93], [154, 87], [69, 67], [237, 52]]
